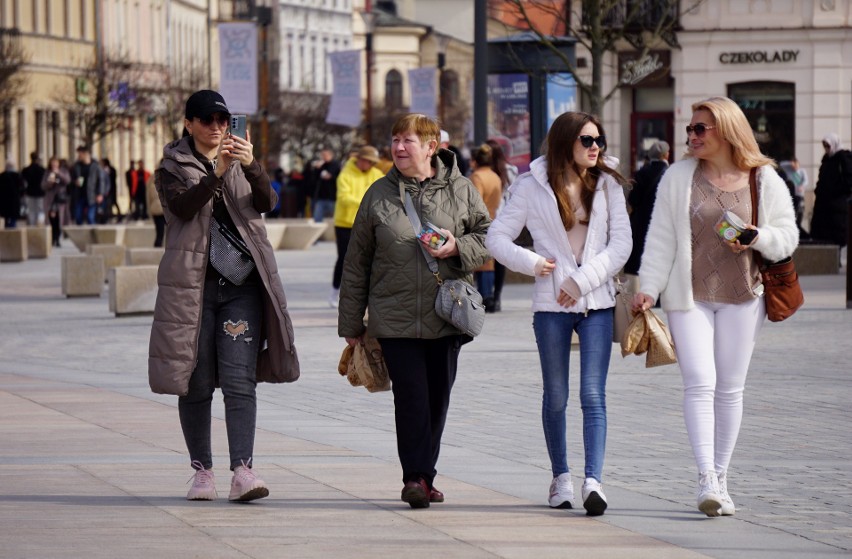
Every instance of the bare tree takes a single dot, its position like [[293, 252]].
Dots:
[[13, 84], [106, 93], [168, 99], [602, 27], [299, 122]]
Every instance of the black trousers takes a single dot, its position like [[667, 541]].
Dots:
[[341, 237], [422, 374]]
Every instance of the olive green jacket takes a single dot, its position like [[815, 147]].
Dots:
[[385, 271]]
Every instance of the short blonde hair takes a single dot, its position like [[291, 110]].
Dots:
[[732, 125], [426, 128]]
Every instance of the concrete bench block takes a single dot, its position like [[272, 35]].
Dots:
[[814, 260], [132, 289], [82, 275], [329, 232], [13, 245], [275, 232], [144, 256], [140, 236], [108, 234], [113, 255], [39, 241], [302, 236], [81, 235]]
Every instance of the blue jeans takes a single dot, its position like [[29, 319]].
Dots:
[[228, 344], [323, 209], [553, 337], [485, 284]]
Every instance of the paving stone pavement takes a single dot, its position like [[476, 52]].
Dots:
[[91, 462]]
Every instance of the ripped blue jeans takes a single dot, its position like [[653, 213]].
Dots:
[[228, 344]]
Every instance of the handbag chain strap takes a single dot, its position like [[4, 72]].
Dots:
[[414, 219], [752, 182]]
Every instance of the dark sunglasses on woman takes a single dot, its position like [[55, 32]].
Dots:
[[699, 129], [587, 141], [220, 119]]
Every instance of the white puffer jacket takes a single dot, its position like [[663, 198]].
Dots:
[[666, 270], [609, 241]]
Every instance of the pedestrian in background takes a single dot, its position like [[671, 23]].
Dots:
[[89, 187], [357, 175], [641, 200], [507, 173], [833, 188], [12, 186], [142, 177], [385, 272], [490, 187], [55, 185], [155, 208], [573, 204], [130, 178], [709, 287], [325, 186], [111, 201], [207, 331], [33, 175]]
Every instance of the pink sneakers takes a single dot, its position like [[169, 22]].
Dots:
[[245, 486], [203, 486]]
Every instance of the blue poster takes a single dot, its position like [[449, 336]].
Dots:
[[561, 96], [509, 116]]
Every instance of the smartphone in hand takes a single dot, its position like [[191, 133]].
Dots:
[[747, 236], [238, 126]]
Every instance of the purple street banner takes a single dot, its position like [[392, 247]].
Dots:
[[424, 95], [509, 116], [345, 106], [238, 66]]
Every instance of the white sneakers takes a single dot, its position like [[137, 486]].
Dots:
[[728, 508], [594, 500], [709, 495], [561, 492], [246, 486]]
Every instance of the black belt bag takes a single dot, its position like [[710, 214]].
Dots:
[[229, 254]]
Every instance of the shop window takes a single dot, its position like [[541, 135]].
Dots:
[[770, 108], [393, 90]]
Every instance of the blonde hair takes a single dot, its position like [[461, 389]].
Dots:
[[425, 128], [732, 125]]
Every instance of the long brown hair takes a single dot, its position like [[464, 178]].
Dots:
[[559, 154], [498, 161]]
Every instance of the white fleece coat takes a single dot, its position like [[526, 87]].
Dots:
[[609, 241], [666, 269]]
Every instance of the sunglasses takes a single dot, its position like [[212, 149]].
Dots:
[[220, 119], [587, 141], [699, 129]]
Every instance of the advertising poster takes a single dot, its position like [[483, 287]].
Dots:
[[509, 116], [238, 56], [561, 96]]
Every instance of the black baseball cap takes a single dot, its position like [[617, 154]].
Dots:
[[204, 103]]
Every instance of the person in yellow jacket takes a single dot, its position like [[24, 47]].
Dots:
[[352, 183]]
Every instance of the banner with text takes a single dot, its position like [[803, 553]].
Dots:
[[424, 94], [238, 71], [345, 106]]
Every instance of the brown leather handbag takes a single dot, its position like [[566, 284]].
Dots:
[[782, 293]]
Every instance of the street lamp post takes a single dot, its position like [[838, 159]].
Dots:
[[369, 26], [443, 42]]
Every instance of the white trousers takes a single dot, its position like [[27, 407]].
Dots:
[[714, 344]]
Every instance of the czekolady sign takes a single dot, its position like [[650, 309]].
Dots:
[[758, 57]]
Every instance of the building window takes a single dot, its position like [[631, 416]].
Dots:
[[770, 108], [22, 136], [54, 133], [40, 132], [393, 90]]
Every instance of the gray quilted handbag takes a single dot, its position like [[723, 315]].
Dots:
[[229, 254], [460, 304]]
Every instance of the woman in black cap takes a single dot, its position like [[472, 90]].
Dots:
[[221, 315]]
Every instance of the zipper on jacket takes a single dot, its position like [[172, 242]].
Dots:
[[418, 323]]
